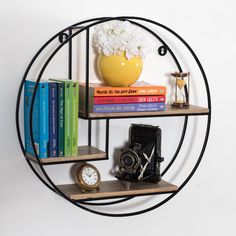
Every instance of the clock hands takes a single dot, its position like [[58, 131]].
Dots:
[[88, 177], [90, 174]]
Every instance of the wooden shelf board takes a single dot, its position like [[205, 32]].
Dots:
[[85, 153], [116, 188], [170, 111]]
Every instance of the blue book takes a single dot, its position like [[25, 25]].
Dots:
[[132, 107], [53, 115], [40, 122]]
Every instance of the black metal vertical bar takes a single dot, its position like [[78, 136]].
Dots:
[[70, 56], [87, 75], [87, 88], [107, 137], [89, 132]]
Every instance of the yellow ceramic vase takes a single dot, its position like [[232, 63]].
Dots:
[[118, 71]]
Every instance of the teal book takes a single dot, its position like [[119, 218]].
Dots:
[[40, 120]]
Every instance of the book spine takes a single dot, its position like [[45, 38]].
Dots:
[[61, 124], [68, 119], [129, 99], [137, 107], [28, 88], [130, 91], [53, 120], [28, 93], [43, 120], [75, 107]]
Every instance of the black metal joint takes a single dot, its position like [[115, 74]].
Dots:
[[162, 50], [62, 37]]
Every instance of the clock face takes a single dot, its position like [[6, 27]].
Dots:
[[90, 175]]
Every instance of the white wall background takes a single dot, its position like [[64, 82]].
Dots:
[[206, 206]]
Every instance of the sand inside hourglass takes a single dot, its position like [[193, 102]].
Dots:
[[180, 83]]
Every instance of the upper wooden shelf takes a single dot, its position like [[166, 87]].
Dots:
[[116, 188], [85, 153], [170, 111]]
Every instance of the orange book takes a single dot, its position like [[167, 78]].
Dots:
[[139, 88]]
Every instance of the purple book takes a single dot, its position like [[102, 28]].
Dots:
[[133, 107]]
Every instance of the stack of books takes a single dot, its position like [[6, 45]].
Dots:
[[140, 97], [54, 118]]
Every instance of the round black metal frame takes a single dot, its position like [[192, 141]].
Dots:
[[64, 38]]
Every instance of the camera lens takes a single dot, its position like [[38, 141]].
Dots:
[[128, 160]]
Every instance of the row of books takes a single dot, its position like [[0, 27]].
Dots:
[[140, 97], [54, 118]]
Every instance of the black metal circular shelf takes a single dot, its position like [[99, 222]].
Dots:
[[64, 37]]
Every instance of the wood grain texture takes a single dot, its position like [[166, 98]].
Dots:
[[170, 111], [116, 188], [85, 153]]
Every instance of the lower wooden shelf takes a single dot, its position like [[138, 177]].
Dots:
[[85, 153], [116, 188]]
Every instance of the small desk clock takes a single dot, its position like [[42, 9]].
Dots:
[[88, 177]]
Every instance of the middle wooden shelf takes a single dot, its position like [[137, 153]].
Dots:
[[193, 110], [85, 153]]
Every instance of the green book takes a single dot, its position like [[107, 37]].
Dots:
[[75, 110], [68, 95], [68, 104], [61, 124]]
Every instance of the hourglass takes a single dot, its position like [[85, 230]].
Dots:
[[182, 82]]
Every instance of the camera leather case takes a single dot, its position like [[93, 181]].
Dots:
[[141, 160]]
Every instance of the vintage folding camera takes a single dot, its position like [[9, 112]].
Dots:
[[141, 160]]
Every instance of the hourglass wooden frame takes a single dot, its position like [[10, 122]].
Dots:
[[178, 90]]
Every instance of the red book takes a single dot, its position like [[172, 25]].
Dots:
[[128, 99]]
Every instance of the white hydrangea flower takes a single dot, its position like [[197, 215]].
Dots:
[[115, 37]]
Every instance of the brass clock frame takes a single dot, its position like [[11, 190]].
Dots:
[[79, 179]]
